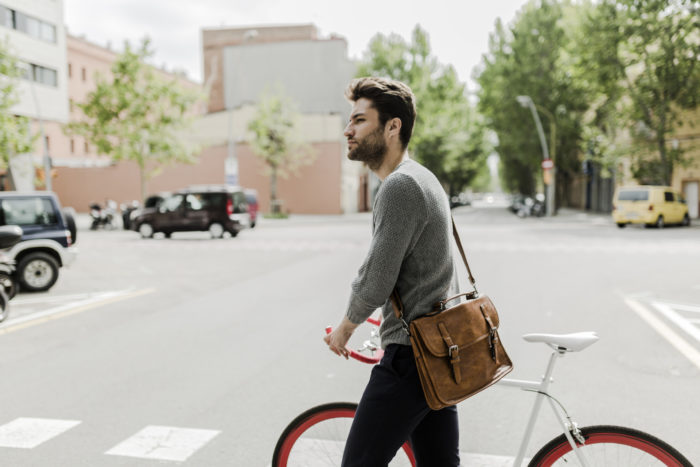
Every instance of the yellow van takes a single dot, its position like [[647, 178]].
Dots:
[[649, 205]]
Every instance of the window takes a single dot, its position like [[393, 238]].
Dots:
[[87, 147], [194, 202], [48, 32], [27, 24], [45, 75], [633, 195], [70, 70], [6, 17], [171, 204], [72, 146], [26, 211], [83, 74], [668, 196]]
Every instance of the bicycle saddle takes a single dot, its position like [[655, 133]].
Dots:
[[568, 342]]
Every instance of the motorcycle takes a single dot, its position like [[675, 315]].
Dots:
[[530, 207], [103, 217], [9, 235]]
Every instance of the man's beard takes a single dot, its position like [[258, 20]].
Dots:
[[370, 150]]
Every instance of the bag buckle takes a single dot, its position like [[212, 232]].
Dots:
[[453, 348]]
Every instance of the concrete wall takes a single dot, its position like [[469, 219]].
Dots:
[[313, 74], [214, 40]]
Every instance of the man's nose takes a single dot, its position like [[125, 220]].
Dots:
[[348, 132]]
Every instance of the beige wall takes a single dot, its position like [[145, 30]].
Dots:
[[213, 43], [79, 186]]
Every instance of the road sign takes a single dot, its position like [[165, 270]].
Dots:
[[547, 164]]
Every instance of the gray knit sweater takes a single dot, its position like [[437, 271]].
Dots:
[[411, 248]]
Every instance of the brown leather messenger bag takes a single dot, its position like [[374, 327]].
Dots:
[[457, 349]]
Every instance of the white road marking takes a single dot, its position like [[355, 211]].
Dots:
[[164, 443], [28, 433], [69, 309], [666, 332], [669, 311]]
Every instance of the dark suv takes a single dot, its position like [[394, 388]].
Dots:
[[213, 208], [48, 238]]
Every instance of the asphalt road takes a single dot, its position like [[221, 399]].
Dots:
[[198, 352]]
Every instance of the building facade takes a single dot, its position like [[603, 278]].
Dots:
[[243, 64], [34, 33]]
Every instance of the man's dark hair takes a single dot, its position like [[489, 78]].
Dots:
[[391, 99]]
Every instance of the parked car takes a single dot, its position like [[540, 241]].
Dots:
[[48, 239], [251, 197], [214, 208], [649, 205]]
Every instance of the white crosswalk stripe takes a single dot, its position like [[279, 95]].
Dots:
[[164, 443], [29, 433]]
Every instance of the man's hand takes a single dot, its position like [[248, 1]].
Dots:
[[339, 337]]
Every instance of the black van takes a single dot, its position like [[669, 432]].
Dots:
[[213, 208]]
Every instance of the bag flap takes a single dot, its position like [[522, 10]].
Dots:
[[465, 323]]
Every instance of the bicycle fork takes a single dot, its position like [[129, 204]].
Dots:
[[569, 427]]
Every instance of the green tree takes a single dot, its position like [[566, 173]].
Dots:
[[274, 128], [530, 58], [449, 136], [15, 135], [137, 115], [642, 58]]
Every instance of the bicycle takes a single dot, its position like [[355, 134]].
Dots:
[[317, 436]]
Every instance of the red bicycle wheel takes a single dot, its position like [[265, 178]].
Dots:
[[317, 438], [611, 445]]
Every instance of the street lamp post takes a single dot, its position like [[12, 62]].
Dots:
[[526, 101]]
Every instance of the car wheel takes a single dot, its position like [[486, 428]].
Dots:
[[216, 230], [8, 285], [146, 230], [660, 222], [621, 225], [686, 221], [37, 272]]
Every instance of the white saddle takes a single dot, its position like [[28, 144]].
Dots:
[[567, 342]]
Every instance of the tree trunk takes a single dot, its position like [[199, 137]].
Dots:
[[274, 206], [142, 176]]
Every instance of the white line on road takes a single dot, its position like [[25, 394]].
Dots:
[[666, 332], [69, 309], [164, 443], [668, 311], [28, 433]]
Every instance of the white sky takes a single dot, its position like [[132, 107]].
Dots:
[[458, 29]]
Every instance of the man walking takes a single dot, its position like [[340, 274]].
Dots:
[[410, 251]]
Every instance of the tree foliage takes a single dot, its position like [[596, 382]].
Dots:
[[15, 135], [449, 136], [641, 58], [137, 115], [530, 58], [274, 129]]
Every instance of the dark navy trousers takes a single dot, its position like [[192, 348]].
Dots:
[[393, 410]]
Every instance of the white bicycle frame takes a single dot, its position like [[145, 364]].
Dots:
[[541, 390]]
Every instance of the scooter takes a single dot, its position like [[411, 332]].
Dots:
[[103, 217], [9, 235]]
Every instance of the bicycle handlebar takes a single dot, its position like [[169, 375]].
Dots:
[[378, 354]]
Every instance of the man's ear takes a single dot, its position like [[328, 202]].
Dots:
[[393, 126]]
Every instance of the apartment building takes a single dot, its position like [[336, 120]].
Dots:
[[240, 65], [34, 32]]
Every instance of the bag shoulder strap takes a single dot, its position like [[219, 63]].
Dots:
[[396, 298]]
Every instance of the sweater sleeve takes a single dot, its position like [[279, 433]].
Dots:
[[400, 214]]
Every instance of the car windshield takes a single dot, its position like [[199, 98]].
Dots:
[[28, 211], [633, 195]]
